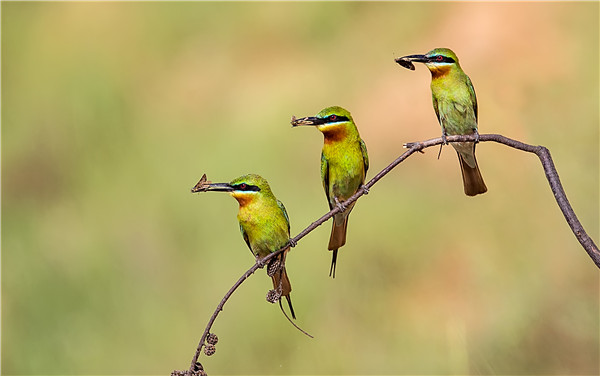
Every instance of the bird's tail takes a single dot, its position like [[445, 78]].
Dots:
[[337, 239], [472, 179], [286, 287], [290, 320], [338, 231], [281, 277], [333, 262]]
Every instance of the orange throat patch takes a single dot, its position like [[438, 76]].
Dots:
[[243, 198], [438, 72], [334, 134]]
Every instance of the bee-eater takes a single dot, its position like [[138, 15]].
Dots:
[[455, 105], [344, 165], [264, 222]]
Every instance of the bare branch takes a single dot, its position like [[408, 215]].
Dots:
[[542, 153]]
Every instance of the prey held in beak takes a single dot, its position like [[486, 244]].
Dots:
[[204, 185], [407, 61], [309, 120]]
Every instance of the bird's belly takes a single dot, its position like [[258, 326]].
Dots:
[[345, 177], [457, 127], [456, 118], [344, 188], [267, 239]]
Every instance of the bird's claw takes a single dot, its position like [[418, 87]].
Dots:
[[365, 190], [339, 205], [292, 242], [444, 141], [261, 264], [476, 136]]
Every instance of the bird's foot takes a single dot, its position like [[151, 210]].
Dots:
[[292, 243], [259, 261], [476, 136], [365, 190], [444, 140], [339, 205]]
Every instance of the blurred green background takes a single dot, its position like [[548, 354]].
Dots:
[[111, 112]]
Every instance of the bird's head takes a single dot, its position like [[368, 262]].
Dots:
[[439, 61], [244, 189], [334, 122]]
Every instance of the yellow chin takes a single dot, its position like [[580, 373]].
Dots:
[[329, 126]]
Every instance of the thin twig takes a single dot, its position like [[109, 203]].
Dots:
[[219, 309], [542, 152]]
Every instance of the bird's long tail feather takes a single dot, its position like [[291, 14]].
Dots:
[[337, 239], [290, 320], [472, 180], [281, 281], [333, 262]]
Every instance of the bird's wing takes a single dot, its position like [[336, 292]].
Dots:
[[473, 96], [437, 110], [363, 149], [245, 236], [285, 214], [325, 178]]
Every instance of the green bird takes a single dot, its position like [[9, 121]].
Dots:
[[455, 105], [264, 224], [344, 165]]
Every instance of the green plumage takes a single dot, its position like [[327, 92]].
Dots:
[[344, 164], [263, 220], [455, 105]]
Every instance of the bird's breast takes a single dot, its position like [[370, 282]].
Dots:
[[265, 227], [345, 168]]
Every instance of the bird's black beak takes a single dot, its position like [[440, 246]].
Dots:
[[407, 61], [204, 185], [217, 187], [309, 120]]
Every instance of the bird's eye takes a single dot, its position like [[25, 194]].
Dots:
[[332, 117], [439, 58], [243, 186]]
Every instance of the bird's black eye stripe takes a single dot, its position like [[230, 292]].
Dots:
[[442, 59], [335, 119], [246, 187]]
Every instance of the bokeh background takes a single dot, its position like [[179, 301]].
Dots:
[[111, 112]]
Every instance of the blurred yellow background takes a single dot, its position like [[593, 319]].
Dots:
[[111, 112]]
